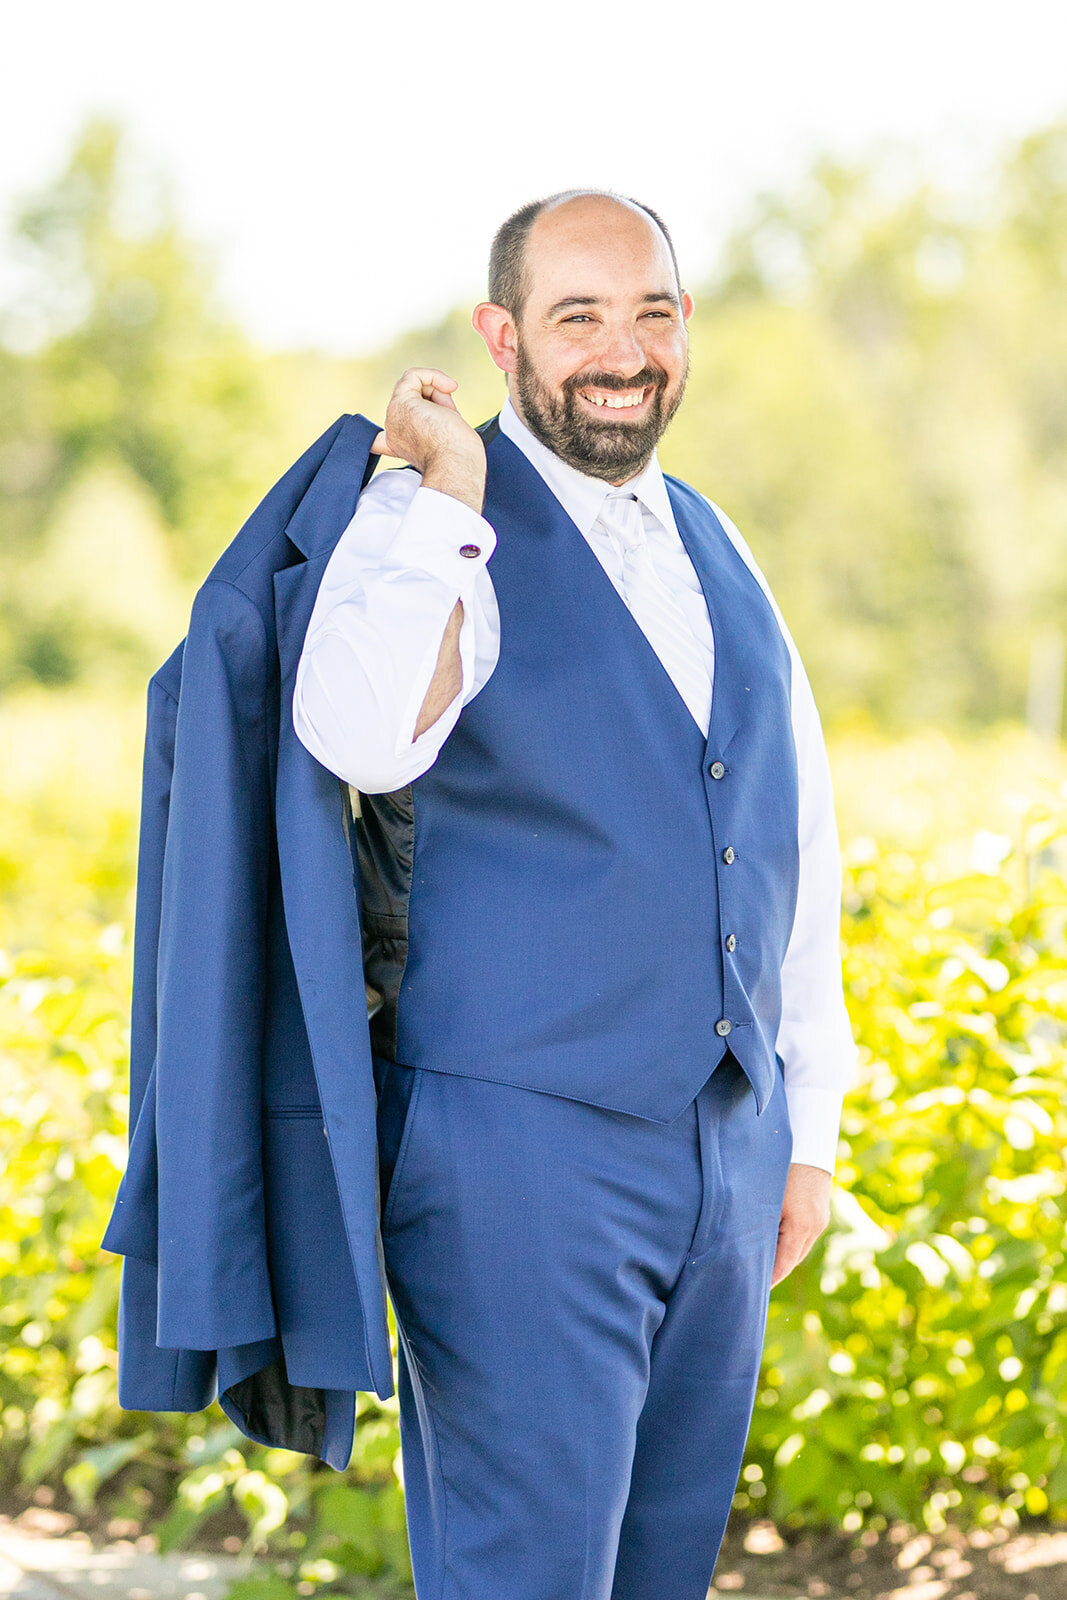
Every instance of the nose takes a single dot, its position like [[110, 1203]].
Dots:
[[621, 352]]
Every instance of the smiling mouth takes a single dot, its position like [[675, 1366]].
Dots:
[[615, 400]]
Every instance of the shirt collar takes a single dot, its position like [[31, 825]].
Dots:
[[581, 496]]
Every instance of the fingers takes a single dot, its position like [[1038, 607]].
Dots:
[[786, 1256], [424, 383], [416, 429], [429, 382], [796, 1237]]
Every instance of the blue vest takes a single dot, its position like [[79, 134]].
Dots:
[[583, 896]]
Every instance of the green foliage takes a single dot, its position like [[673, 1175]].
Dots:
[[915, 1363]]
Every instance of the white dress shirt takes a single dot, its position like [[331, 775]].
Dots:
[[371, 650]]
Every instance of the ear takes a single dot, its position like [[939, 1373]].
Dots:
[[498, 330], [687, 305]]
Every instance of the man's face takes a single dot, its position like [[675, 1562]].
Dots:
[[602, 352]]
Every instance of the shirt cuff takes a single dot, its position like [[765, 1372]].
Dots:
[[815, 1120], [442, 536]]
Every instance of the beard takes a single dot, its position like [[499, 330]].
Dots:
[[611, 449]]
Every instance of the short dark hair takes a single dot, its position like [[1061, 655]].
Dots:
[[507, 254]]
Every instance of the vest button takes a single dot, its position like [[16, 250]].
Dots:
[[731, 942], [723, 1027], [717, 769], [728, 854], [470, 550]]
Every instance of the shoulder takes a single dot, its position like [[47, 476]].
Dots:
[[732, 531], [744, 550], [740, 544], [228, 642]]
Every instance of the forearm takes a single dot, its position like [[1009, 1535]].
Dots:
[[398, 630], [447, 681], [464, 481]]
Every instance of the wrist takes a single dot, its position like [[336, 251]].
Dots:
[[463, 480]]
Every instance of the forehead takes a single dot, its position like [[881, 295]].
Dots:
[[595, 246]]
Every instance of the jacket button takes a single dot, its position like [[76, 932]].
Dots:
[[717, 769], [722, 1027], [728, 854], [731, 942], [470, 550]]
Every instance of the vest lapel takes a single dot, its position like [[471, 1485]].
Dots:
[[717, 566]]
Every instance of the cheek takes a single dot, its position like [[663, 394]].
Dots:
[[669, 351], [576, 356], [574, 362], [553, 366]]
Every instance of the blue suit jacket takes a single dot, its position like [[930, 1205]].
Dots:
[[248, 1213]]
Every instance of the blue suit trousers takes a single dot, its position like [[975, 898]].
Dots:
[[581, 1300]]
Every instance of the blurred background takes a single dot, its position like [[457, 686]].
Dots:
[[222, 227]]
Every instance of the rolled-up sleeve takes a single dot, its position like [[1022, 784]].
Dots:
[[374, 637]]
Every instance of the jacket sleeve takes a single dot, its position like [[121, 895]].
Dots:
[[213, 1278]]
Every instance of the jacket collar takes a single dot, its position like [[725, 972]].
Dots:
[[329, 504]]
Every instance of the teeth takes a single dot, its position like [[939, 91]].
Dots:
[[617, 402]]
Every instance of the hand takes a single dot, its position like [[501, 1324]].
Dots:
[[423, 424], [805, 1214]]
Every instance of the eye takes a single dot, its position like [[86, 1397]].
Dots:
[[666, 314], [579, 316]]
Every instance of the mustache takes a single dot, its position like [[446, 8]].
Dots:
[[647, 378]]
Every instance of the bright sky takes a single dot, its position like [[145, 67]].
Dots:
[[348, 162]]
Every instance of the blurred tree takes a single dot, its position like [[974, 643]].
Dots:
[[948, 313], [113, 349], [878, 397]]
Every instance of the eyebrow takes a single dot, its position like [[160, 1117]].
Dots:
[[594, 300]]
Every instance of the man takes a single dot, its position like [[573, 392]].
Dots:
[[600, 899]]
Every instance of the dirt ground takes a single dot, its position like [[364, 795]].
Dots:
[[899, 1564], [760, 1560]]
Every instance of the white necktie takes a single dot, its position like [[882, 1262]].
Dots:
[[654, 608]]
